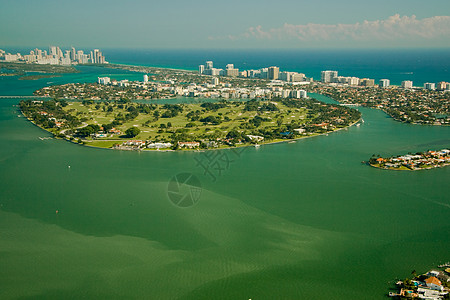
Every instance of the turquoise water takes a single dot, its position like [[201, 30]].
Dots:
[[280, 222]]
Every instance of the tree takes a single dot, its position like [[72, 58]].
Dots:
[[132, 132]]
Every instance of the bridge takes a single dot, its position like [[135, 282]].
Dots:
[[22, 97], [350, 104]]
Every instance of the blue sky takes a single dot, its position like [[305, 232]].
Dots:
[[226, 24]]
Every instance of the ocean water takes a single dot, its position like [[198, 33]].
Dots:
[[287, 221], [420, 66]]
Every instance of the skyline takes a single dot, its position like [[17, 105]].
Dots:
[[230, 25]]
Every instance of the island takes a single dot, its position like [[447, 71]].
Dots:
[[412, 162], [27, 71], [129, 125], [433, 285]]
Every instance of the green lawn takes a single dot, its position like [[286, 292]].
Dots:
[[151, 131]]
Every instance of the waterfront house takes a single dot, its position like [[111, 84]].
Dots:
[[189, 144], [434, 283]]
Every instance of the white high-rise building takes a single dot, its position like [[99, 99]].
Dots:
[[215, 81], [104, 80], [441, 86], [53, 50], [201, 69], [303, 94], [145, 78], [384, 83], [430, 86], [328, 76], [209, 65], [407, 84]]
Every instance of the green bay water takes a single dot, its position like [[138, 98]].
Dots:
[[287, 221]]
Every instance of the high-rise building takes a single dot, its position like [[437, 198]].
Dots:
[[230, 66], [209, 65], [273, 72], [303, 94], [215, 81], [52, 50], [59, 53], [328, 76], [232, 72], [264, 73], [366, 82], [73, 54], [441, 86], [145, 78], [97, 55], [297, 77], [104, 80], [407, 84], [201, 69], [384, 83], [430, 86], [286, 76]]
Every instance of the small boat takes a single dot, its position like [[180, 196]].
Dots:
[[257, 146], [357, 125]]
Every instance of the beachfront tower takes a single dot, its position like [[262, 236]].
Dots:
[[209, 65], [384, 83], [407, 84], [201, 69], [430, 86], [328, 76], [273, 72]]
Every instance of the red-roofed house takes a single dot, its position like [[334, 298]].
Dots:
[[434, 283]]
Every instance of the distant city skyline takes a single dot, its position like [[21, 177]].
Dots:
[[226, 24], [54, 56]]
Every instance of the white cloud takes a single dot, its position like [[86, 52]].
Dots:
[[392, 29]]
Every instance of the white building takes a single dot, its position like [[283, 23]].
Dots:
[[407, 84], [201, 69], [434, 284], [328, 76], [299, 94], [430, 86], [441, 86], [104, 80], [384, 83], [145, 78], [214, 81]]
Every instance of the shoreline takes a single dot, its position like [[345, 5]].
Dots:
[[417, 169]]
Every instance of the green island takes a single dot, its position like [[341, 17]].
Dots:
[[412, 162], [433, 285], [23, 70], [129, 125]]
